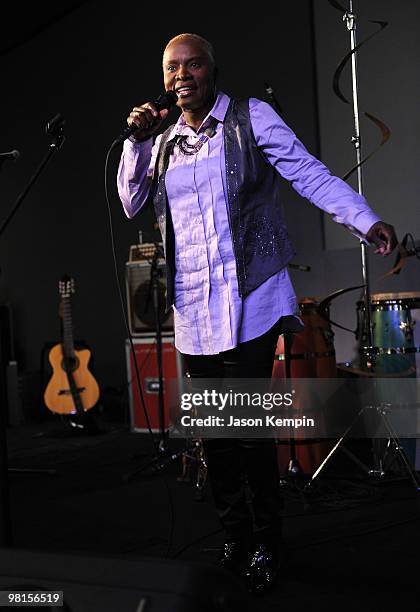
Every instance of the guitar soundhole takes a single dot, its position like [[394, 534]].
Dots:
[[73, 363]]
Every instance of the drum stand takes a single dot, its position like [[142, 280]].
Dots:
[[393, 445], [294, 468]]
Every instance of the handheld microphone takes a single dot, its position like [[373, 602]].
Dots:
[[165, 100], [9, 155]]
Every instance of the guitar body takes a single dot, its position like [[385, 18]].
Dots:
[[58, 395]]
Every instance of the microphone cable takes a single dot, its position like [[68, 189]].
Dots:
[[133, 354]]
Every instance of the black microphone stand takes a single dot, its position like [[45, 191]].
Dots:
[[165, 457], [55, 129], [154, 279]]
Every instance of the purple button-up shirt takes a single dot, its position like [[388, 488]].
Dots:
[[209, 315]]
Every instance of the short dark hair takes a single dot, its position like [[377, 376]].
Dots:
[[205, 43]]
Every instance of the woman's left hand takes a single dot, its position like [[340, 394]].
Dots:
[[383, 236]]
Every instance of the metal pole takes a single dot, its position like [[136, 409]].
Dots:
[[351, 20]]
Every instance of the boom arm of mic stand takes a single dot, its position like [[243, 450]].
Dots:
[[55, 145]]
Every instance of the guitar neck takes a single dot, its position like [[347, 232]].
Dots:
[[68, 340]]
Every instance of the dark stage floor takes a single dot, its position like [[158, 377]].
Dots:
[[355, 545]]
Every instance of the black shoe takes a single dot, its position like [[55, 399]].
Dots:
[[233, 555], [262, 569]]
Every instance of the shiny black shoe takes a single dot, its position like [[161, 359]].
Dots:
[[233, 555], [262, 569]]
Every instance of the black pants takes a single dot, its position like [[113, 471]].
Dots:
[[243, 473]]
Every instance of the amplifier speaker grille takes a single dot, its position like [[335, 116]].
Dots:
[[140, 304]]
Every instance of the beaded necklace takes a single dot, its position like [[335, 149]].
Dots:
[[191, 149]]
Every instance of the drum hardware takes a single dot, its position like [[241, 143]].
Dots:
[[323, 307], [194, 466], [392, 443], [394, 320], [408, 329], [294, 468]]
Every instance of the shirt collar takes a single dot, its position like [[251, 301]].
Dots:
[[218, 112]]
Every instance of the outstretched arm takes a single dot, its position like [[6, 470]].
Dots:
[[312, 179]]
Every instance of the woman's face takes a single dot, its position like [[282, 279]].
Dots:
[[188, 70]]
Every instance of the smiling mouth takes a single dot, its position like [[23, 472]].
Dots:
[[184, 91]]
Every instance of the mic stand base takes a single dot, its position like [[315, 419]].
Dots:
[[156, 464]]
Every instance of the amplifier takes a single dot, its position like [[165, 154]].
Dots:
[[139, 289], [146, 356]]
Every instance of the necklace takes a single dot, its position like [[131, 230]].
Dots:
[[191, 149]]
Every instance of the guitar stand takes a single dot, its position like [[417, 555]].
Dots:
[[72, 426]]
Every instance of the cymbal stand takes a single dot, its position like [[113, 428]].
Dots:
[[350, 19]]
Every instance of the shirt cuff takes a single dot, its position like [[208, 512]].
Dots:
[[142, 141], [365, 220]]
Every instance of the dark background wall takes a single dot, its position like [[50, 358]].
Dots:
[[93, 65]]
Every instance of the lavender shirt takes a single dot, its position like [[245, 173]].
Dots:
[[209, 314]]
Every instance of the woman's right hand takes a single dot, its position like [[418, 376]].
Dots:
[[148, 119]]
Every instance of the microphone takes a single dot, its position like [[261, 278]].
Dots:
[[165, 100], [9, 155], [273, 99], [55, 125]]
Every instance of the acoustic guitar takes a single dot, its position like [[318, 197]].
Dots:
[[72, 388]]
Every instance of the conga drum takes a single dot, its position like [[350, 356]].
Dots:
[[311, 355]]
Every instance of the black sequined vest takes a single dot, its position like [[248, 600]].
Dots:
[[261, 244]]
